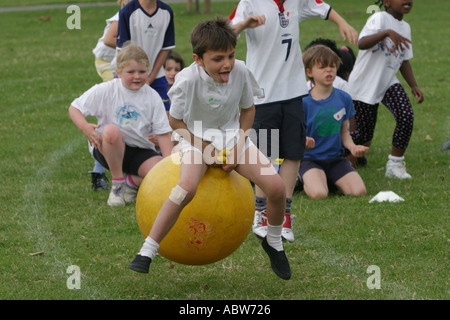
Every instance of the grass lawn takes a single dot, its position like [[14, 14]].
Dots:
[[51, 219]]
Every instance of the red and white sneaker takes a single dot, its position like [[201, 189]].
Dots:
[[287, 233], [259, 226]]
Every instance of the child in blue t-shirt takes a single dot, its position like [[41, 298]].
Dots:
[[327, 111]]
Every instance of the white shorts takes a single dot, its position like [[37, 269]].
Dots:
[[185, 146]]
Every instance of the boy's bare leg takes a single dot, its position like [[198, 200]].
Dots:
[[352, 184], [315, 184], [288, 173], [264, 175], [113, 149], [191, 172]]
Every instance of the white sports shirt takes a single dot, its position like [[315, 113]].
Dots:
[[273, 50], [101, 50], [211, 109], [375, 68], [136, 113]]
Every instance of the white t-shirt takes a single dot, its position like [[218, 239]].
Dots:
[[101, 50], [273, 50], [136, 113], [211, 109], [375, 68]]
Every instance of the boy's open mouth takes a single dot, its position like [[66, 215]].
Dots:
[[225, 76], [407, 5]]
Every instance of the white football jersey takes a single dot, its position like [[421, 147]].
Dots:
[[273, 49]]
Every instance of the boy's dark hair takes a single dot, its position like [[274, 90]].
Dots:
[[216, 35], [348, 61], [173, 55], [332, 45], [347, 56], [326, 42], [380, 3]]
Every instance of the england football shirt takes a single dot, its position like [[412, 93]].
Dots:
[[273, 49]]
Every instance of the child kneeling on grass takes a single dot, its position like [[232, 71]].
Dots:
[[327, 111], [205, 101], [127, 109]]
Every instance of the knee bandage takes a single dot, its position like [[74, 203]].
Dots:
[[177, 195]]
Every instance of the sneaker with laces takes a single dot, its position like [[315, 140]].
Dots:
[[140, 264], [396, 169], [115, 198], [129, 193], [121, 194], [259, 226], [278, 261], [99, 181], [287, 233]]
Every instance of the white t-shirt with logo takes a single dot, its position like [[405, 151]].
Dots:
[[273, 50], [211, 109], [376, 68], [136, 113]]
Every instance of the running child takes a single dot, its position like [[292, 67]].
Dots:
[[385, 48]]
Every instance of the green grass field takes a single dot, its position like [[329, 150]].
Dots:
[[51, 219]]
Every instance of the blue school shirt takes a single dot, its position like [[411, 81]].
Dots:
[[323, 123]]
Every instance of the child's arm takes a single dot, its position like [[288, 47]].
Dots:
[[407, 73], [347, 141], [111, 35], [346, 30], [165, 143], [160, 58], [250, 22], [368, 42], [88, 129], [310, 143]]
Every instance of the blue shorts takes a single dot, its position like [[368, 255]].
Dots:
[[161, 86], [334, 168]]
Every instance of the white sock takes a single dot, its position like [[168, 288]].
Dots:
[[150, 248], [394, 158], [274, 237]]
